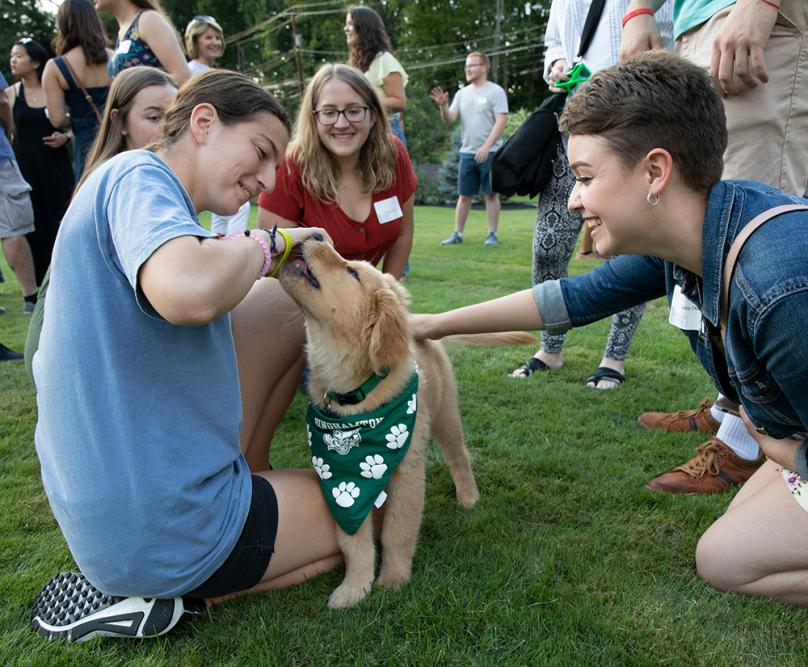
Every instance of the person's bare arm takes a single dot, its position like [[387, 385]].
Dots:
[[192, 281], [268, 219], [641, 33], [738, 62], [163, 41], [514, 312], [55, 96], [6, 117], [397, 255], [495, 133], [395, 96], [441, 98]]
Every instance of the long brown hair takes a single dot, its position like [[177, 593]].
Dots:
[[371, 37], [77, 24], [110, 139], [318, 168]]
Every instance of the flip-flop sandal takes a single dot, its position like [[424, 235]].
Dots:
[[604, 373], [531, 366]]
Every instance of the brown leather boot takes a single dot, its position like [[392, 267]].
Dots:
[[699, 419], [715, 468]]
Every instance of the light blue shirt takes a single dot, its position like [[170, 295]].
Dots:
[[6, 152], [138, 433], [689, 14]]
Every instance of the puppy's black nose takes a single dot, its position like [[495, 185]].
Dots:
[[318, 237]]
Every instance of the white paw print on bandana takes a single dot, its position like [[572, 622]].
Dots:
[[345, 494], [397, 437], [308, 435], [323, 469], [411, 404], [373, 467]]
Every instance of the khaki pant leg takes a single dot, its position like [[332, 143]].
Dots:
[[767, 125]]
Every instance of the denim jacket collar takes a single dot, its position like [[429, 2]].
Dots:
[[717, 228]]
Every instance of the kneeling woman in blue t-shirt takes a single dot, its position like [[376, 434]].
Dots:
[[164, 362]]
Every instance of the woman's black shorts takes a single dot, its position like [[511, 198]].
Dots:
[[249, 559]]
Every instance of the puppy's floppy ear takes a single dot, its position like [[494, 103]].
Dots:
[[388, 328]]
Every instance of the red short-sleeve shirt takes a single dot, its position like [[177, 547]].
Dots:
[[368, 239]]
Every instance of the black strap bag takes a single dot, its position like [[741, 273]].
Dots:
[[524, 164]]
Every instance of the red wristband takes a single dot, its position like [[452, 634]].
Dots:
[[771, 4], [637, 12]]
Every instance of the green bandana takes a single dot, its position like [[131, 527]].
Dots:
[[355, 456]]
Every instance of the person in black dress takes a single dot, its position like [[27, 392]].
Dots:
[[40, 151]]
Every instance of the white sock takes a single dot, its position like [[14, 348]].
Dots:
[[717, 414], [733, 434]]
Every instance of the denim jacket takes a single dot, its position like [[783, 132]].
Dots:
[[766, 363]]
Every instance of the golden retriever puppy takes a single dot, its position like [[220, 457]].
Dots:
[[362, 360], [376, 398]]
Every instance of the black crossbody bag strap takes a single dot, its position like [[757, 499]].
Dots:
[[590, 25]]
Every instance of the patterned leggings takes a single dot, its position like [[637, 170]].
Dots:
[[556, 232]]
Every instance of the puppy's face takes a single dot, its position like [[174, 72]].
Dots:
[[350, 303]]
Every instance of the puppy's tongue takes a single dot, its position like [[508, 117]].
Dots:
[[299, 263]]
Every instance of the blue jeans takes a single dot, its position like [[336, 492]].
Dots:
[[397, 129]]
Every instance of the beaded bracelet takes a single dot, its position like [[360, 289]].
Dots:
[[636, 12], [264, 246]]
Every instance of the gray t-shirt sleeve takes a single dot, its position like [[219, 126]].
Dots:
[[500, 101], [139, 225]]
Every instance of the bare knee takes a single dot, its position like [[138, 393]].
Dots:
[[715, 560], [464, 199]]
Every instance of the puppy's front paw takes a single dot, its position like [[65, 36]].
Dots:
[[393, 578], [468, 497], [345, 596]]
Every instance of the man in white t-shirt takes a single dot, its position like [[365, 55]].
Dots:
[[482, 107]]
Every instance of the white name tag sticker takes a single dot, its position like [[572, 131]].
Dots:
[[388, 210], [684, 313], [123, 47], [482, 100]]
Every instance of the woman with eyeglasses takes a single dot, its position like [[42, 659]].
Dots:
[[346, 173], [145, 37]]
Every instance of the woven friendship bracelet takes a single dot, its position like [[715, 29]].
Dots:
[[287, 239]]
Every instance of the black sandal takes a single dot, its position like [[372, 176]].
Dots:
[[604, 373], [531, 366]]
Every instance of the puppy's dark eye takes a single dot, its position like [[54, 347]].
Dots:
[[352, 271]]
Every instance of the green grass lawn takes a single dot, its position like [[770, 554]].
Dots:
[[566, 560]]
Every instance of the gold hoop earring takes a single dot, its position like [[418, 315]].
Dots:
[[652, 199]]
